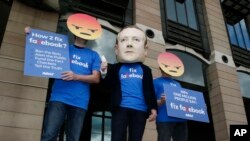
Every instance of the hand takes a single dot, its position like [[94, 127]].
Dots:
[[27, 29], [104, 66], [163, 98], [153, 115], [69, 75]]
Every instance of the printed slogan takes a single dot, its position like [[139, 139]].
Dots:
[[186, 104], [46, 54]]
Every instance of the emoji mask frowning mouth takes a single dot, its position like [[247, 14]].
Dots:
[[85, 33], [173, 71]]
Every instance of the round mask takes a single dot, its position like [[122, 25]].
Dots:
[[84, 26], [170, 64], [130, 47]]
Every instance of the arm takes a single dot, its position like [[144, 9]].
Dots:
[[153, 115], [153, 100], [92, 78]]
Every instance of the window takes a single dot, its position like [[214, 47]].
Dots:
[[105, 45], [244, 79], [103, 9], [194, 79], [193, 75], [183, 13], [238, 35], [5, 6], [183, 23], [101, 126], [236, 15]]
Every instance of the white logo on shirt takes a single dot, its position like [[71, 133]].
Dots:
[[76, 61], [131, 74]]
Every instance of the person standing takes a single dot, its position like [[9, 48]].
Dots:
[[70, 94], [168, 127], [132, 93]]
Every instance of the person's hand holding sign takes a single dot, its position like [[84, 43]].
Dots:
[[162, 100], [27, 29], [69, 75]]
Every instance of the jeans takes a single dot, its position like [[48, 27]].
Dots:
[[177, 130], [133, 119], [55, 116]]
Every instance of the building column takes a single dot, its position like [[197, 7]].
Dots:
[[224, 89], [22, 98]]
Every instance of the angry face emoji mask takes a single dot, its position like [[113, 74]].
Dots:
[[84, 26], [171, 64]]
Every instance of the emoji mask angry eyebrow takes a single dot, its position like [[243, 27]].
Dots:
[[77, 27]]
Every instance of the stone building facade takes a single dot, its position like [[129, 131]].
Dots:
[[205, 41]]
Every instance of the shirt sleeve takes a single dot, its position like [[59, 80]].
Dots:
[[96, 62]]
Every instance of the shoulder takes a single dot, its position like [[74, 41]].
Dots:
[[92, 52], [145, 67], [157, 79], [71, 45], [114, 66]]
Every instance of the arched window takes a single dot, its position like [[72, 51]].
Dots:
[[105, 45], [194, 79], [244, 79], [194, 69]]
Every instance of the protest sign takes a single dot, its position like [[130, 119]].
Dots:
[[185, 104], [46, 54]]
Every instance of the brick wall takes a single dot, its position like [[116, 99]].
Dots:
[[22, 98]]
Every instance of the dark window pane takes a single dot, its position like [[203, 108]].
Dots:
[[171, 13], [97, 133], [191, 14], [5, 7], [239, 35], [245, 34], [232, 35], [181, 13], [107, 129]]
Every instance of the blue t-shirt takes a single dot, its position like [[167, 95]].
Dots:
[[159, 89], [76, 93], [131, 86]]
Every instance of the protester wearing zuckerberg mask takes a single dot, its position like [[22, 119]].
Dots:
[[133, 99]]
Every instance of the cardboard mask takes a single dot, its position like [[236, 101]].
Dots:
[[131, 46], [171, 64], [84, 26]]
